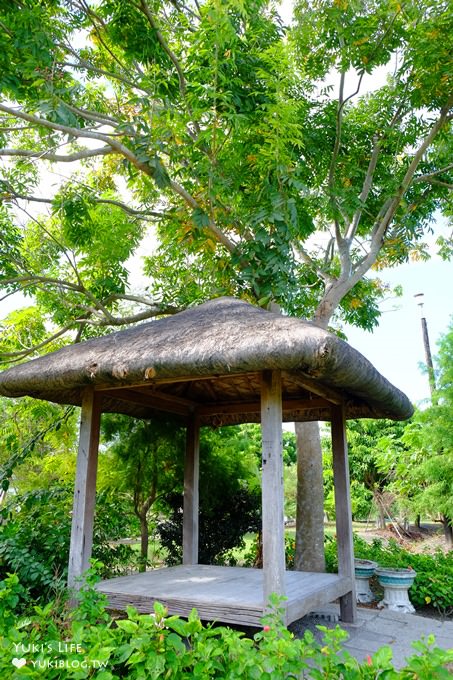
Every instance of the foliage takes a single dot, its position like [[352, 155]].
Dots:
[[32, 431], [432, 586], [35, 532], [230, 498], [209, 121], [161, 646]]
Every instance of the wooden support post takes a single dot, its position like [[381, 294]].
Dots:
[[85, 488], [272, 485], [348, 608], [191, 477]]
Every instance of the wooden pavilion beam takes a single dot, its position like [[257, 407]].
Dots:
[[255, 406], [329, 393], [152, 400], [190, 530], [345, 548], [272, 485], [85, 488]]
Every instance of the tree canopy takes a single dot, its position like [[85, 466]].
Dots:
[[211, 123]]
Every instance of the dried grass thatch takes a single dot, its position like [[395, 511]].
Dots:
[[209, 359]]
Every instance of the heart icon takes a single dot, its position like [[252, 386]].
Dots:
[[19, 662]]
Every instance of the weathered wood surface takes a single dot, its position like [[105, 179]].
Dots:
[[272, 485], [85, 487], [226, 594], [348, 607], [190, 532]]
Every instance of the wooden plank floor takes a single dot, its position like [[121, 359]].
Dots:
[[226, 594]]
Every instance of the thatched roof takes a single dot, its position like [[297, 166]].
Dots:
[[209, 359]]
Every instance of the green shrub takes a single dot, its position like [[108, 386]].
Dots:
[[88, 642], [35, 533], [433, 584]]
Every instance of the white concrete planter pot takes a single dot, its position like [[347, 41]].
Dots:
[[396, 583], [364, 570]]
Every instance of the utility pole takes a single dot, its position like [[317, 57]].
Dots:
[[429, 361]]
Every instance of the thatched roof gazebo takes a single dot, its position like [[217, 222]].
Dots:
[[223, 362]]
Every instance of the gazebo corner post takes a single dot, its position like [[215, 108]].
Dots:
[[190, 530], [273, 525], [85, 488], [345, 547]]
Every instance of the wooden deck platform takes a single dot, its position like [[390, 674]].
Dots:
[[226, 594]]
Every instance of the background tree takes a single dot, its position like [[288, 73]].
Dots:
[[423, 475], [212, 122], [369, 442], [147, 463]]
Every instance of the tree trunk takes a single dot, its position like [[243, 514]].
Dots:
[[144, 542], [310, 500], [448, 531], [418, 522], [381, 524]]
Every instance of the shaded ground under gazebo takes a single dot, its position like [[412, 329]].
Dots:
[[224, 362]]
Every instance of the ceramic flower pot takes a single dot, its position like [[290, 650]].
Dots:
[[396, 584], [364, 570]]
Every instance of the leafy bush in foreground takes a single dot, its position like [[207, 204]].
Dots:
[[89, 643], [35, 532]]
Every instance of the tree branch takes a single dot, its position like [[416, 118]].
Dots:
[[101, 118], [127, 153], [213, 228], [57, 158], [366, 188], [335, 293], [21, 354], [139, 214], [143, 7], [312, 263], [426, 177]]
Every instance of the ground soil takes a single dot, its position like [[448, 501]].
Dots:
[[428, 538]]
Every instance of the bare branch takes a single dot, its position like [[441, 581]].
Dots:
[[366, 188], [429, 175], [57, 158], [139, 214]]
